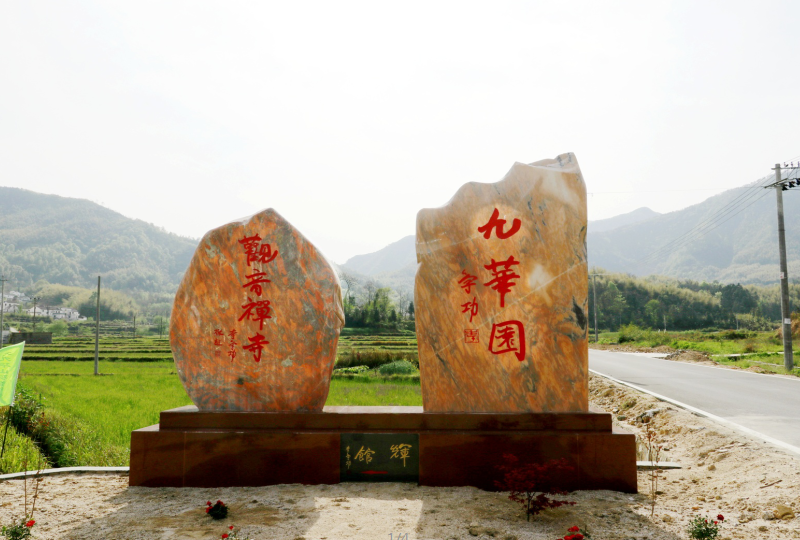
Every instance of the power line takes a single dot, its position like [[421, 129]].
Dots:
[[699, 231], [709, 223], [715, 220], [665, 190]]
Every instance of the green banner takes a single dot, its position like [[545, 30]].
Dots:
[[10, 360]]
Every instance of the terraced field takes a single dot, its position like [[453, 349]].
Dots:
[[388, 347]]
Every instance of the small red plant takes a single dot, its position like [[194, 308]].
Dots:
[[217, 511], [233, 535], [531, 484], [704, 529], [576, 533]]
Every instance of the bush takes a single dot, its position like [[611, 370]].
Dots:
[[354, 369], [754, 322], [631, 332], [372, 359], [734, 334], [58, 328], [401, 367], [705, 529], [524, 481]]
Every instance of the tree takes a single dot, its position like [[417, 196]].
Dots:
[[350, 281], [614, 302], [59, 328], [652, 310]]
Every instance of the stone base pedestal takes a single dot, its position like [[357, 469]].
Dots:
[[222, 449]]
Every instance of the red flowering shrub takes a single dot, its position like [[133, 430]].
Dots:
[[217, 511], [530, 484], [18, 531], [705, 529]]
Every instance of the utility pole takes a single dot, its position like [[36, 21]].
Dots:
[[97, 330], [2, 306], [34, 314], [134, 327], [786, 314]]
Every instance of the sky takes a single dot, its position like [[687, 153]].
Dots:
[[349, 117]]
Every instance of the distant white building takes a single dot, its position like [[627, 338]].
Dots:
[[18, 296], [59, 313], [10, 307], [67, 314]]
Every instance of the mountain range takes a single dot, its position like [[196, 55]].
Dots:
[[72, 241], [730, 237]]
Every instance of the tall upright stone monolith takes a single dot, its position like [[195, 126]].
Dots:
[[501, 294]]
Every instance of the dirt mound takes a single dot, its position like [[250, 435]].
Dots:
[[691, 356]]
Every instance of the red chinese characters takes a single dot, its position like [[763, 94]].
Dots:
[[219, 337], [256, 251], [503, 276], [471, 336], [256, 345], [506, 337], [256, 280], [232, 344], [467, 282], [496, 224], [509, 336], [256, 309], [471, 308]]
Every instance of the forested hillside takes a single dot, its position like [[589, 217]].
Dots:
[[71, 241], [658, 302]]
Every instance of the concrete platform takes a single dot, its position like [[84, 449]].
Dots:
[[219, 449]]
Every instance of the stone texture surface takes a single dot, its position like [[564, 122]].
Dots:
[[501, 294], [256, 319]]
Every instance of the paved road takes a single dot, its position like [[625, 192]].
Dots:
[[767, 404]]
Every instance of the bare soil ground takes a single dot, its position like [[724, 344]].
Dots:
[[723, 472]]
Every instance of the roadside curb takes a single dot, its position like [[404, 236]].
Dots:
[[700, 412], [64, 470]]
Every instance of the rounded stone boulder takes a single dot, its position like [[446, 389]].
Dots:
[[256, 319]]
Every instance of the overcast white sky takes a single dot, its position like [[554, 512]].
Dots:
[[349, 117]]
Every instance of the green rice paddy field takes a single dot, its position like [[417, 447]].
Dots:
[[138, 380]]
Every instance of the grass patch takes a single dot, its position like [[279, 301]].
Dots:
[[374, 392], [99, 413], [711, 342], [21, 452]]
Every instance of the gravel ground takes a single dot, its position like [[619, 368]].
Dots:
[[722, 472]]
